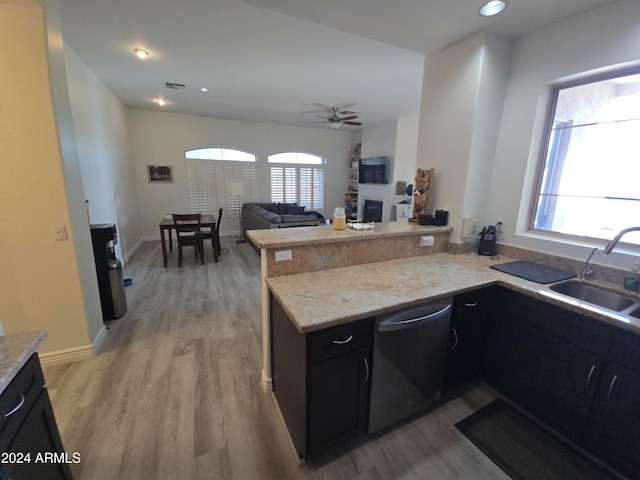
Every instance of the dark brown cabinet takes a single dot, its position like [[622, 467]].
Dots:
[[579, 376], [613, 433], [29, 438], [466, 336], [545, 359], [321, 380], [338, 398]]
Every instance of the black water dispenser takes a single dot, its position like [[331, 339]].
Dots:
[[110, 282]]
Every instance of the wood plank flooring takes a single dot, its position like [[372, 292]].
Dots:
[[175, 392]]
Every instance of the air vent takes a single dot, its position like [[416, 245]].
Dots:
[[175, 86]]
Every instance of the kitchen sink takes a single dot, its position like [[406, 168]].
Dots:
[[635, 313], [596, 295]]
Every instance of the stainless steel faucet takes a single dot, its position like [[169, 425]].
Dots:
[[611, 245], [586, 271]]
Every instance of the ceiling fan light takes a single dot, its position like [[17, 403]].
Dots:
[[140, 53], [493, 7], [334, 125]]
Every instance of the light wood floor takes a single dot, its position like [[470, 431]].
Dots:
[[175, 392]]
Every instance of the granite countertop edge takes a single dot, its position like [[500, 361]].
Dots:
[[326, 234], [15, 350], [325, 298]]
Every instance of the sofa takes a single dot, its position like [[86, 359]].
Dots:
[[258, 216]]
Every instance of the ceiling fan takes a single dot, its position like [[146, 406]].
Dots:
[[333, 118]]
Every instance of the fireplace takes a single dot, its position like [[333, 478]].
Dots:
[[374, 201], [372, 211]]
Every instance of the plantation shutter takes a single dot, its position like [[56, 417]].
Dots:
[[210, 185]]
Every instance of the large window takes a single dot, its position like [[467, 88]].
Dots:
[[589, 183], [297, 178], [211, 173]]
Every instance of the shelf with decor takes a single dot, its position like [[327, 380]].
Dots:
[[351, 196], [351, 204]]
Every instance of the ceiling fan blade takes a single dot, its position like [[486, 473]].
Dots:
[[324, 118], [352, 117], [348, 112], [344, 107], [323, 107], [352, 123]]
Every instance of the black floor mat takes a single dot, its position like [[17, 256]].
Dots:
[[533, 271], [524, 450]]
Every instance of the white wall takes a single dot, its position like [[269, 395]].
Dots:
[[42, 286], [463, 87], [162, 138], [102, 138], [595, 40], [406, 154]]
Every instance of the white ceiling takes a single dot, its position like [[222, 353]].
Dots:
[[271, 60]]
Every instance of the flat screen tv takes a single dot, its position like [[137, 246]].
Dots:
[[373, 170]]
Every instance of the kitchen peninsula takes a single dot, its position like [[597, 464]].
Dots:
[[571, 364], [310, 249]]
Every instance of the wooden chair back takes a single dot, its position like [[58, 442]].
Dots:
[[187, 223], [189, 233]]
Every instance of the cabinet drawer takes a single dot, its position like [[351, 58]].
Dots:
[[468, 303], [340, 340], [562, 323], [18, 398]]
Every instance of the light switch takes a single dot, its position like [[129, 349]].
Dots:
[[60, 232]]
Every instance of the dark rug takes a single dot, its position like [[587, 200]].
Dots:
[[533, 271], [524, 450]]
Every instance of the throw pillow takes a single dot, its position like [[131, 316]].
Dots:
[[293, 209]]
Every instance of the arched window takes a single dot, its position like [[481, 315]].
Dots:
[[298, 178], [212, 170]]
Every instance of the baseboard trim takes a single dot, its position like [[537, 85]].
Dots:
[[74, 354], [133, 250]]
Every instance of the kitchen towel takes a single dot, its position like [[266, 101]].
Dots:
[[533, 271]]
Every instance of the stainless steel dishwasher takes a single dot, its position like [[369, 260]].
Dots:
[[408, 361]]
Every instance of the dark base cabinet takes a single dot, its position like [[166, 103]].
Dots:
[[466, 338], [29, 438], [614, 428], [321, 380], [579, 376], [547, 375]]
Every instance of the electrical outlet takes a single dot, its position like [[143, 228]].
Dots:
[[426, 241], [283, 255], [499, 227]]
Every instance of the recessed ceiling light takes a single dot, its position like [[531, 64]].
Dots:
[[204, 90], [161, 102], [493, 7], [141, 53]]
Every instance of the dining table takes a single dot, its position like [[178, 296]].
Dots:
[[167, 225]]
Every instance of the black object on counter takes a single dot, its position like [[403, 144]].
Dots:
[[425, 218], [533, 271], [441, 218]]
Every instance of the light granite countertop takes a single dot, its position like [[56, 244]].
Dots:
[[291, 237], [317, 300], [15, 350]]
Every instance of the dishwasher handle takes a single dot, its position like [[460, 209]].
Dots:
[[390, 325]]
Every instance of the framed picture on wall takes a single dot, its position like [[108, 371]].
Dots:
[[160, 173]]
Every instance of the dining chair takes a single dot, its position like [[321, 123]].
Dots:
[[214, 235], [189, 234]]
